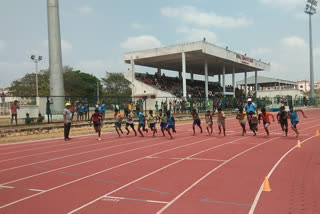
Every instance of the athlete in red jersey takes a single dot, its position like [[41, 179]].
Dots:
[[97, 120]]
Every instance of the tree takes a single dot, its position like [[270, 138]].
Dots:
[[76, 84], [116, 85]]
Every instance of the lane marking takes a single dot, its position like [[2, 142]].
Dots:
[[201, 159], [67, 173], [136, 199], [256, 199], [198, 181], [21, 188], [152, 190], [223, 202], [151, 173], [111, 182], [39, 167]]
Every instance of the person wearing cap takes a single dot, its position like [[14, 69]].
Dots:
[[250, 107], [67, 121]]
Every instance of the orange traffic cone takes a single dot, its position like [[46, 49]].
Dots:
[[266, 185], [298, 144], [317, 133]]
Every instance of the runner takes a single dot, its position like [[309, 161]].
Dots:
[[97, 120], [209, 122], [142, 121], [117, 121], [221, 120], [129, 122], [295, 119], [196, 121], [282, 118], [164, 123], [253, 123], [241, 116], [152, 122], [171, 124], [266, 120]]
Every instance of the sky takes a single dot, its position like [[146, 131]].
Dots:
[[95, 34]]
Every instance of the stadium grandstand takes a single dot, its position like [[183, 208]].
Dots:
[[196, 58]]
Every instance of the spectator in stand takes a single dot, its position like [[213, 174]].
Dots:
[[28, 120], [14, 114], [103, 109], [175, 107], [72, 109], [156, 106], [40, 119], [3, 99]]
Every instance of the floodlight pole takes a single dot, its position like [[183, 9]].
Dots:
[[36, 60], [311, 10]]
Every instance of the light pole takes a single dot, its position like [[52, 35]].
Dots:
[[36, 60], [311, 10]]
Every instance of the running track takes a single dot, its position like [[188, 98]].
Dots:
[[189, 174]]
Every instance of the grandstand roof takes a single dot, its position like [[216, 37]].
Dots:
[[266, 80], [170, 58]]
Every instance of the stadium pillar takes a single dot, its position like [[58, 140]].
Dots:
[[206, 78], [55, 57], [191, 75], [245, 85], [233, 81], [184, 80], [219, 77], [133, 76], [224, 80], [256, 82], [159, 72]]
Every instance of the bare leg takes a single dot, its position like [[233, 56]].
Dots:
[[169, 133], [139, 130], [194, 131], [162, 130]]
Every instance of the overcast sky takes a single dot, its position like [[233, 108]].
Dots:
[[95, 34]]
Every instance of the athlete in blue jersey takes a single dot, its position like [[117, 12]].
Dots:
[[171, 124], [142, 122], [294, 118]]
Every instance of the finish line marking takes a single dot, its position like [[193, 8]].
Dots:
[[116, 199]]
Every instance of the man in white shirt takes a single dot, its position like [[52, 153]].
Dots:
[[67, 121]]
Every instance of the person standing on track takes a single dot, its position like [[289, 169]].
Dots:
[[152, 122], [196, 121], [282, 118], [117, 121], [164, 122], [67, 121], [142, 122], [97, 120], [241, 116], [295, 119], [221, 120], [129, 122], [209, 122], [266, 120], [171, 124]]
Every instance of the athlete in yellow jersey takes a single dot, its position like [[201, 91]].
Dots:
[[163, 120]]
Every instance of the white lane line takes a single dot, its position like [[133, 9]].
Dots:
[[255, 202], [203, 159], [11, 187], [135, 199], [57, 145], [76, 147], [76, 164], [198, 181], [81, 153], [151, 173], [105, 170]]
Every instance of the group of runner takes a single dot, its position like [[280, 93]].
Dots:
[[167, 121]]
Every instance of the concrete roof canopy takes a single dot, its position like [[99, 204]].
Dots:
[[170, 58], [265, 81]]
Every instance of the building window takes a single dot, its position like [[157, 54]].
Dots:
[[301, 86]]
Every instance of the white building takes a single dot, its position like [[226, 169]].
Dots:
[[304, 85]]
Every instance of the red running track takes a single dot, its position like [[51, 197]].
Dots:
[[190, 174]]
